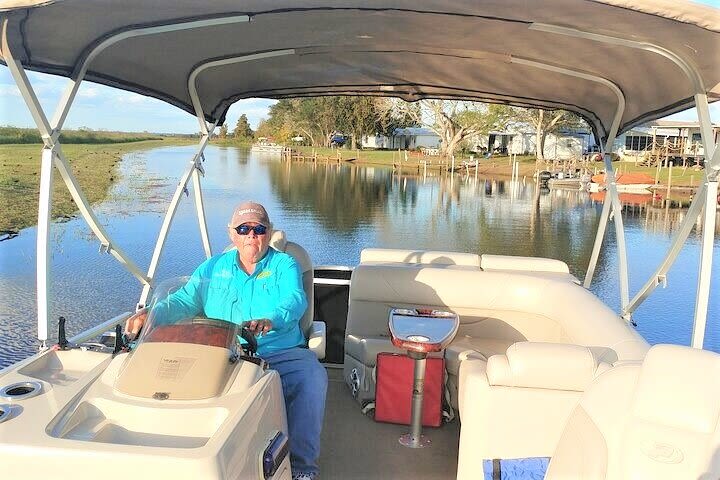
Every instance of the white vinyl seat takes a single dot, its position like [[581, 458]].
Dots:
[[315, 332], [657, 421], [514, 405]]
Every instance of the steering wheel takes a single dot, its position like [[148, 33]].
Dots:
[[251, 346]]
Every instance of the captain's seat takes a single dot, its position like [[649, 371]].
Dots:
[[659, 420], [315, 332]]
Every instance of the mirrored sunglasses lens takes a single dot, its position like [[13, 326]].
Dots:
[[245, 229]]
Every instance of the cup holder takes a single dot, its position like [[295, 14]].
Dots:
[[20, 391], [5, 411]]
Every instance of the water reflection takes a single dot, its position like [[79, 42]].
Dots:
[[342, 197], [335, 210]]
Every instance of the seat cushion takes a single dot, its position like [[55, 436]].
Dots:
[[366, 349], [466, 347]]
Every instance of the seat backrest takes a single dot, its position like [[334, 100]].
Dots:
[[279, 242], [658, 420], [422, 257], [507, 305]]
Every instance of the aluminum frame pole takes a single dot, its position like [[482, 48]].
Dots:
[[609, 174], [43, 265], [597, 245], [169, 215], [89, 215], [199, 206], [711, 168]]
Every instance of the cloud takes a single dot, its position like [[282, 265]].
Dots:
[[88, 92], [9, 91]]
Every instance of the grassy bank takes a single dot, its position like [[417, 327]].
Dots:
[[93, 165], [494, 166]]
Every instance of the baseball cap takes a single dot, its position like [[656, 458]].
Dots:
[[249, 212]]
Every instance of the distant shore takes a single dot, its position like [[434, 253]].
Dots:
[[685, 178], [94, 166]]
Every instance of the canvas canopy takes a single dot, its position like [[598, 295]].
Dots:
[[412, 49]]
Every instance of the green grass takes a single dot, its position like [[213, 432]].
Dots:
[[94, 166], [23, 136]]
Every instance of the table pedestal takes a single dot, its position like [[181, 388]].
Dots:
[[415, 439]]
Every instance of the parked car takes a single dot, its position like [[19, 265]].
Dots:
[[338, 140]]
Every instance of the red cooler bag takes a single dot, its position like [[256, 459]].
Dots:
[[393, 391]]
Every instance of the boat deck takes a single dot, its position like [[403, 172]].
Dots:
[[355, 447]]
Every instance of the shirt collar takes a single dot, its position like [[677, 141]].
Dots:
[[259, 266]]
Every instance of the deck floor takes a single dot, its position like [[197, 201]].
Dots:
[[355, 447]]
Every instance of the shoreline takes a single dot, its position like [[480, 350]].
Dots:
[[95, 167]]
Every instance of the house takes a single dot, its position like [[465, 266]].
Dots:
[[675, 140], [563, 145], [409, 138]]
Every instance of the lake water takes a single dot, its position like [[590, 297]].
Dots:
[[335, 211]]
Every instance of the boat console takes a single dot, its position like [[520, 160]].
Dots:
[[185, 391]]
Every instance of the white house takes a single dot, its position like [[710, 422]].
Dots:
[[408, 138], [562, 145]]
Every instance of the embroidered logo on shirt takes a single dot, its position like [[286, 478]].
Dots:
[[264, 274]]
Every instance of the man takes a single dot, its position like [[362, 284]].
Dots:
[[261, 288]]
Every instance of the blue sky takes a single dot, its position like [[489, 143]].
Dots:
[[104, 108]]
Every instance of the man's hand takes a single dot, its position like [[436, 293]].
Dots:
[[135, 323], [258, 326]]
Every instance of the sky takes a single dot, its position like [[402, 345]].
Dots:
[[104, 108]]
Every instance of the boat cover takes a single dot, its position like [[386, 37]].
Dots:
[[411, 49]]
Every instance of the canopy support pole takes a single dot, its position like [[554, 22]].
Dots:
[[597, 246], [610, 178], [52, 156], [190, 171], [712, 170], [702, 199]]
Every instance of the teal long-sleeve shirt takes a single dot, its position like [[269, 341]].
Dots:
[[220, 289]]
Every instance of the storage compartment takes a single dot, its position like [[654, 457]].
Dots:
[[63, 367], [106, 421]]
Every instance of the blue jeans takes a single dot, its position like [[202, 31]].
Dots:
[[304, 383]]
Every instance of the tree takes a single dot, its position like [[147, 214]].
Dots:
[[452, 120], [242, 129], [545, 122], [358, 116], [223, 131]]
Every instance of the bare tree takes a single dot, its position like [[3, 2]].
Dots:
[[545, 122], [452, 120]]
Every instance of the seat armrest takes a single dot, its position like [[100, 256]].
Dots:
[[316, 339]]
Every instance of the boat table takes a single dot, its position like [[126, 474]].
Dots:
[[420, 331]]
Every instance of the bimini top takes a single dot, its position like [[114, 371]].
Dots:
[[548, 54]]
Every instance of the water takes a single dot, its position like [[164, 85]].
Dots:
[[335, 211]]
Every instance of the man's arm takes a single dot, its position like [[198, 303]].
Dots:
[[291, 300], [184, 303]]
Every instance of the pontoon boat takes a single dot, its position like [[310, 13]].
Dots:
[[538, 367]]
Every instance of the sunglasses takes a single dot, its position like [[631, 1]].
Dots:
[[245, 229]]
